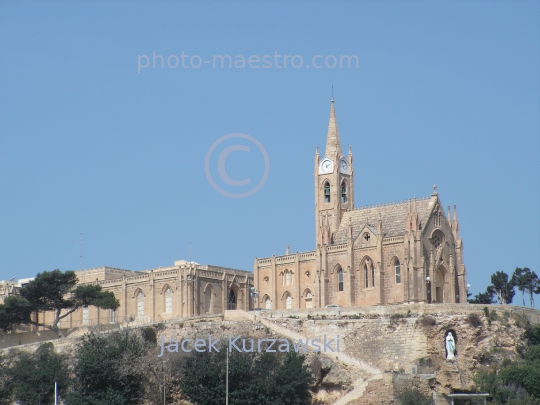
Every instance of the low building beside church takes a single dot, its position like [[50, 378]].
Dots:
[[403, 252], [182, 290]]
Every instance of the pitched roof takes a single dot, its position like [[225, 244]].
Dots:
[[393, 217]]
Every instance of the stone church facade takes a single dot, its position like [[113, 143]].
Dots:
[[390, 253]]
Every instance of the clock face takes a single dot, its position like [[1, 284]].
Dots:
[[326, 166], [343, 166]]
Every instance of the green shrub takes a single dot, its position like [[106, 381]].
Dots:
[[534, 335], [521, 321], [474, 320], [149, 334], [33, 375], [411, 396], [427, 321]]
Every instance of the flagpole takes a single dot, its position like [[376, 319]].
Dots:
[[227, 379]]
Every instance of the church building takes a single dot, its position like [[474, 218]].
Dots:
[[403, 252]]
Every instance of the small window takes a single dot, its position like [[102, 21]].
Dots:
[[288, 302], [112, 316], [340, 280], [85, 315], [326, 192], [344, 192], [397, 267], [287, 278], [168, 301], [268, 303], [372, 275]]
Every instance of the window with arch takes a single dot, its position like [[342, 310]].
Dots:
[[397, 268], [369, 272], [85, 315], [309, 299], [288, 302], [343, 191], [268, 303], [437, 239], [287, 277], [207, 299], [366, 278], [340, 279], [140, 304], [437, 218], [168, 300], [327, 192]]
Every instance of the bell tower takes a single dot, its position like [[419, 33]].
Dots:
[[334, 184]]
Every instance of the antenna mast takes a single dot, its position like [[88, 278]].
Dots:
[[82, 251]]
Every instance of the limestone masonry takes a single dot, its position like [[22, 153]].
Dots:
[[405, 252]]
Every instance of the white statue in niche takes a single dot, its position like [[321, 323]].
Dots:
[[450, 346]]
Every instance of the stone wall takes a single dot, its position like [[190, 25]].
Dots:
[[388, 310]]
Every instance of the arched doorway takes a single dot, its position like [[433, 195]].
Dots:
[[439, 285], [231, 300]]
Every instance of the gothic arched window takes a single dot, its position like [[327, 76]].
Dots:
[[208, 299], [366, 275], [168, 301], [372, 275], [268, 303], [340, 280], [437, 239], [140, 304], [397, 268], [327, 192], [344, 191], [288, 302], [287, 277]]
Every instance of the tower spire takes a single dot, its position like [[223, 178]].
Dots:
[[333, 144]]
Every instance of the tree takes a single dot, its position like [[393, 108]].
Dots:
[[483, 298], [502, 288], [33, 375], [6, 387], [532, 285], [53, 291], [102, 375], [527, 282], [520, 281], [254, 378]]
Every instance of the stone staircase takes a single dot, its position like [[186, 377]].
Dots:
[[359, 386]]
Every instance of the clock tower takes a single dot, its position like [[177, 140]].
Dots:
[[334, 184]]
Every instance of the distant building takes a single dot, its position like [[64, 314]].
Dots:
[[384, 254], [182, 290]]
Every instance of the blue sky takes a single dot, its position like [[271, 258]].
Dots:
[[445, 93]]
